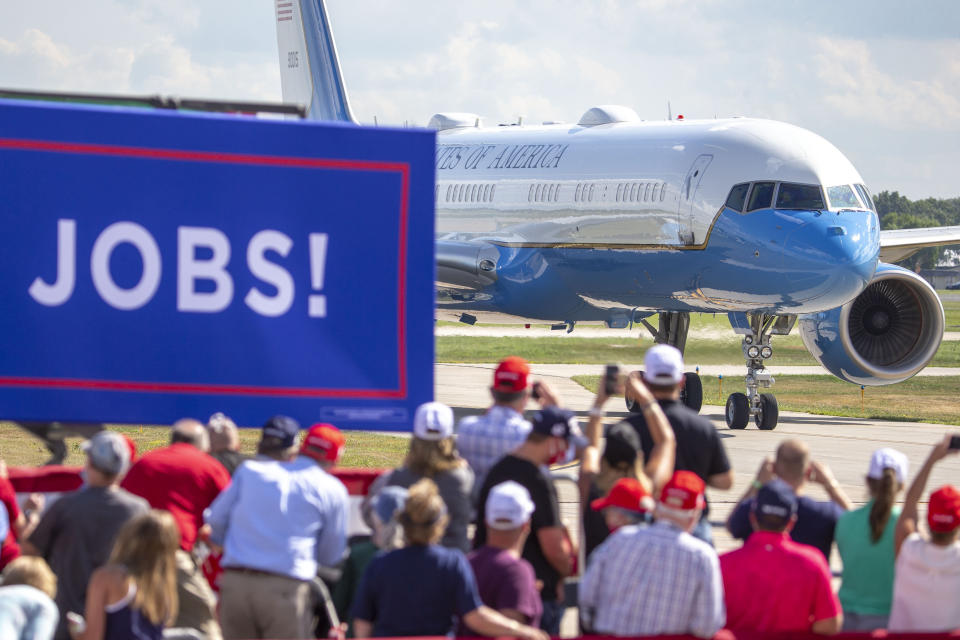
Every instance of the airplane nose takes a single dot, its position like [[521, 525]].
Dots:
[[835, 253]]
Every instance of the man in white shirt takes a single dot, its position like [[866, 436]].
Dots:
[[280, 518], [926, 588]]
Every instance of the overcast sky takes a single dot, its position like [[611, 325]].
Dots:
[[880, 79]]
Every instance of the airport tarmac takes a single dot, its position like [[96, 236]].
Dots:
[[844, 444]]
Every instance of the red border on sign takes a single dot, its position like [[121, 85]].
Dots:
[[402, 168]]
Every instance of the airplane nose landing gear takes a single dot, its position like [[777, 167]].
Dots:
[[757, 328]]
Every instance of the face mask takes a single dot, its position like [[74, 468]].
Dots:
[[559, 456]]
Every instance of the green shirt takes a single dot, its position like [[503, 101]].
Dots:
[[867, 586]]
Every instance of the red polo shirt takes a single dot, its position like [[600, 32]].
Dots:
[[9, 549], [775, 584], [180, 479]]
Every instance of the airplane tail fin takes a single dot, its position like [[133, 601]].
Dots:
[[309, 65]]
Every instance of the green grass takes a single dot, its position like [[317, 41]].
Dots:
[[927, 399], [952, 311], [787, 350], [363, 449]]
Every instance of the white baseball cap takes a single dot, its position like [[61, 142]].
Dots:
[[433, 421], [887, 458], [108, 452], [663, 365], [508, 506]]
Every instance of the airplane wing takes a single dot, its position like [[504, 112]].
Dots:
[[899, 244]]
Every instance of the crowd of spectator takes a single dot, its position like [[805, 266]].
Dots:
[[195, 540]]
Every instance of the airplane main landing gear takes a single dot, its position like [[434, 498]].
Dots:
[[756, 350], [673, 329]]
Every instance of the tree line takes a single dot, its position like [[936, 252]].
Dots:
[[899, 212]]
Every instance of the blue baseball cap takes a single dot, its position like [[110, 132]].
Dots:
[[775, 504], [284, 429], [554, 421]]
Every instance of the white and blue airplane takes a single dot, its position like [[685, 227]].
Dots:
[[616, 219]]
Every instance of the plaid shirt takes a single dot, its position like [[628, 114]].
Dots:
[[483, 440], [653, 580]]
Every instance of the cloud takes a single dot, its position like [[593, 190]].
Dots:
[[858, 88], [36, 61]]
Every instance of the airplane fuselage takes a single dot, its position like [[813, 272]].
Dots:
[[593, 221]]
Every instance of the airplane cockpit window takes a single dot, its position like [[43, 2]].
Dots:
[[761, 196], [843, 196], [737, 197], [865, 196], [800, 196]]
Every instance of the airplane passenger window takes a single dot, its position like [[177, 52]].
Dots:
[[473, 192], [663, 189], [865, 196], [761, 196], [800, 196], [843, 197], [619, 191], [646, 193], [656, 190], [493, 190], [738, 196], [556, 193], [538, 193], [576, 196], [449, 190], [590, 197], [633, 192]]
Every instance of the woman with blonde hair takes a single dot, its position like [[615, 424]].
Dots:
[[433, 455], [135, 595], [27, 610], [865, 540], [423, 588]]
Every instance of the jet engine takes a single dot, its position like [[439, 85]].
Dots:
[[885, 335]]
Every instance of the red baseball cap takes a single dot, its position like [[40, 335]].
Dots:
[[943, 512], [511, 375], [627, 493], [324, 443], [684, 491]]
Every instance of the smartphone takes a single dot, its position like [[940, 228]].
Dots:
[[611, 377], [955, 442], [535, 391]]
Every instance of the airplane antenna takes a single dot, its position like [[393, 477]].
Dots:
[[375, 121], [669, 114], [519, 121]]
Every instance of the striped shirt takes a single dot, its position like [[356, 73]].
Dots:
[[483, 440], [653, 580]]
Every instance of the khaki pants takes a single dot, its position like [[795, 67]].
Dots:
[[198, 603], [260, 605]]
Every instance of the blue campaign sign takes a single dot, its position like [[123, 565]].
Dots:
[[159, 265]]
